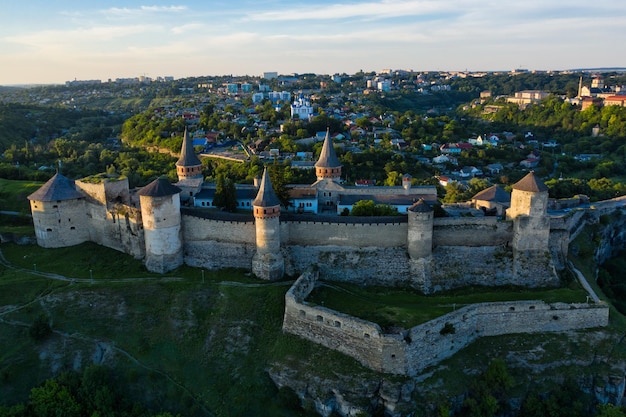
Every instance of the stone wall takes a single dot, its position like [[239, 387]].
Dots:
[[106, 191], [118, 228], [217, 244], [429, 343], [226, 231], [369, 253], [362, 234], [361, 265], [471, 231], [357, 338], [60, 223]]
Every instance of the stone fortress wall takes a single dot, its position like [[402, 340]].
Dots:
[[104, 216], [425, 345], [218, 243], [366, 252], [466, 250]]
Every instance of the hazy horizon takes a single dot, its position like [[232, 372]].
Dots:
[[53, 42]]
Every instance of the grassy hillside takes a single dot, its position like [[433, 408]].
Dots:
[[13, 195], [193, 342]]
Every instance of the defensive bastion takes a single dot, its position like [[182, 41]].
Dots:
[[424, 345]]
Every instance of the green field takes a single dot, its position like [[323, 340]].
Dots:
[[13, 195], [405, 308]]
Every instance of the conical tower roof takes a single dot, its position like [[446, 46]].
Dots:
[[160, 187], [188, 157], [266, 197], [494, 193], [530, 183], [420, 206], [328, 157], [58, 188]]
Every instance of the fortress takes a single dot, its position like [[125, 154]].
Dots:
[[525, 248]]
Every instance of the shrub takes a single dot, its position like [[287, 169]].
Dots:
[[448, 328], [40, 329]]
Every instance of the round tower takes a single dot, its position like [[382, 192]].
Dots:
[[268, 262], [328, 165], [59, 214], [188, 165], [420, 230], [160, 213]]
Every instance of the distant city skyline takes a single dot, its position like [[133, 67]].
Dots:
[[44, 42]]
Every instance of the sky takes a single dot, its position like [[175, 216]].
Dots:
[[53, 41]]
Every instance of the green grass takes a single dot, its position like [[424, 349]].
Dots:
[[13, 195], [179, 342], [399, 307]]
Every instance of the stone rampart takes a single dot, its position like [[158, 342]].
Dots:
[[118, 228], [226, 231], [357, 338], [218, 243], [471, 231], [360, 265], [105, 190], [431, 342], [353, 234], [427, 344]]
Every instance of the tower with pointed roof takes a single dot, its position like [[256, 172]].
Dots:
[[529, 212], [328, 165], [160, 213], [189, 170], [420, 230], [188, 165], [59, 213], [268, 262]]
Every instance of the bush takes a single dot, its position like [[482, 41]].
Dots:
[[448, 328], [40, 329]]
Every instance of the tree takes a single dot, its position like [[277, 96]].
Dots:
[[609, 410], [369, 208], [225, 193], [53, 400], [279, 183], [455, 192]]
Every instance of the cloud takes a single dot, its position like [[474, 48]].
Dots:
[[384, 9], [189, 27], [50, 41], [141, 10]]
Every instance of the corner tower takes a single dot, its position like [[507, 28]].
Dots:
[[160, 212], [328, 165], [59, 214], [529, 212], [268, 262]]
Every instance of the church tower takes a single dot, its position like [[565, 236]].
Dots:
[[160, 212], [529, 212], [268, 262], [328, 165]]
